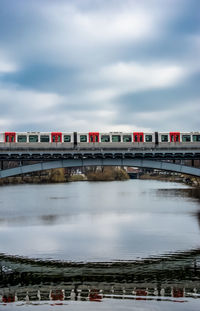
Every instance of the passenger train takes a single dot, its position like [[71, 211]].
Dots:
[[118, 140]]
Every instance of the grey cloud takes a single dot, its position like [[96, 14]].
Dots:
[[61, 47]]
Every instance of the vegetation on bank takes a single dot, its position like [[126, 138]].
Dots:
[[107, 174], [186, 179], [68, 175]]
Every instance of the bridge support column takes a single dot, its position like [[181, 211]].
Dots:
[[1, 164], [192, 162]]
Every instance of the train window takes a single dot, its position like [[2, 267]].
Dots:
[[67, 138], [116, 138], [33, 138], [148, 138], [126, 138], [44, 139], [83, 138], [164, 138], [105, 138], [196, 137], [186, 138], [21, 138]]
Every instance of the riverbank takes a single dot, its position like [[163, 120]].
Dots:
[[63, 175], [186, 179]]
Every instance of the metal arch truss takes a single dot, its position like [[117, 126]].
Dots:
[[142, 163]]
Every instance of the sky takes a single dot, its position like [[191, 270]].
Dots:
[[99, 65]]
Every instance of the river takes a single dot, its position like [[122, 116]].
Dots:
[[78, 243]]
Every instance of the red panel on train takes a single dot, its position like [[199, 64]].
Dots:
[[138, 137], [56, 137], [94, 137], [10, 137], [174, 137]]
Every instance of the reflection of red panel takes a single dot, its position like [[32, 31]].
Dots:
[[10, 137], [141, 292], [94, 295], [57, 295], [178, 293], [56, 137], [7, 299], [138, 137], [174, 137], [94, 137]]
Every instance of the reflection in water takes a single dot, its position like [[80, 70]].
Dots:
[[174, 276], [134, 240], [198, 217], [193, 193], [49, 219]]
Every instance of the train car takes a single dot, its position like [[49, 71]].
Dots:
[[132, 140], [37, 139], [115, 140]]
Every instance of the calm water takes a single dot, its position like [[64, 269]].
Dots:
[[70, 244]]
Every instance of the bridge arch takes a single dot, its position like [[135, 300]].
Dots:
[[166, 166]]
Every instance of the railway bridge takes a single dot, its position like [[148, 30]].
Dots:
[[31, 160]]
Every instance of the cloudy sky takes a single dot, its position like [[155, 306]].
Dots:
[[103, 65]]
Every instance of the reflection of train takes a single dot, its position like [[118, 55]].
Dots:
[[43, 293], [121, 140]]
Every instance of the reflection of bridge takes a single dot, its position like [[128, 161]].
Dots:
[[177, 275]]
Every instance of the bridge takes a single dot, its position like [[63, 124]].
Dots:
[[166, 166], [45, 159]]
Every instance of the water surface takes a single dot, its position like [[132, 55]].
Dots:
[[93, 241], [98, 221]]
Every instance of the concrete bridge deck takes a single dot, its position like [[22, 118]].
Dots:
[[60, 153]]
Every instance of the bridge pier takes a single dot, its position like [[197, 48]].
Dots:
[[1, 164]]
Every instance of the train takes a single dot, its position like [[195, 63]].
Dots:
[[105, 140], [102, 140]]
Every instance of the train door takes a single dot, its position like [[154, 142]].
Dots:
[[56, 137], [138, 137], [93, 137], [10, 137], [174, 137]]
